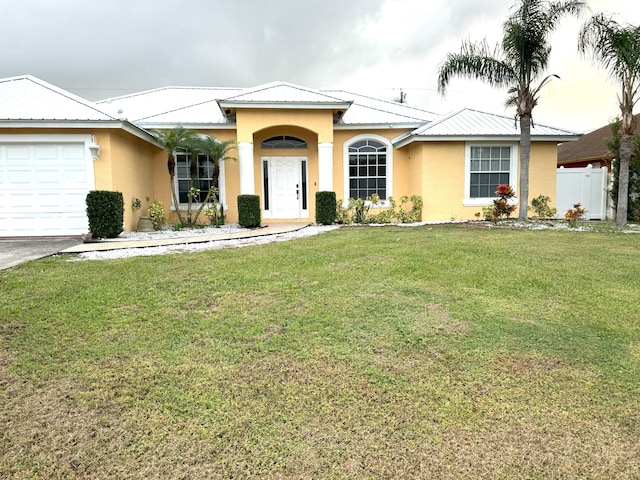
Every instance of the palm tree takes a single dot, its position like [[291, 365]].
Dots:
[[515, 65], [217, 152], [173, 140], [617, 48]]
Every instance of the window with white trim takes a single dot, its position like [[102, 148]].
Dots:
[[488, 166], [206, 176], [368, 169]]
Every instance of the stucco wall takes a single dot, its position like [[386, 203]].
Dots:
[[250, 121], [443, 174], [132, 166], [542, 171]]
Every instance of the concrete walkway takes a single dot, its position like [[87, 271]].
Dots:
[[121, 244]]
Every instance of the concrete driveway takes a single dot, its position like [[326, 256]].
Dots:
[[14, 251]]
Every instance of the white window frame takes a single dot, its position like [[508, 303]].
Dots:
[[222, 194], [345, 161], [468, 201]]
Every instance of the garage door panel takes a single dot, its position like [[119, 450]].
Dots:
[[19, 177], [21, 201], [43, 187], [71, 152], [17, 155], [46, 152]]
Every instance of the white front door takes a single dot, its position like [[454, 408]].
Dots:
[[285, 182]]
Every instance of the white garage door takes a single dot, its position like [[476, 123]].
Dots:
[[44, 181]]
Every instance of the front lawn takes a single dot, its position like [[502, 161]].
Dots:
[[430, 352]]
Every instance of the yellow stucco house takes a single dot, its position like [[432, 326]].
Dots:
[[291, 142]]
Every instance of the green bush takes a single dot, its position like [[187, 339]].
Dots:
[[358, 210], [249, 211], [325, 208], [540, 205], [105, 211], [156, 214]]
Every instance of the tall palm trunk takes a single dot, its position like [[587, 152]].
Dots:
[[623, 180], [172, 175], [525, 156]]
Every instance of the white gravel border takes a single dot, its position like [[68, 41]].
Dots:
[[197, 247]]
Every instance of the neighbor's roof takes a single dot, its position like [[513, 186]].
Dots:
[[468, 124], [202, 107], [27, 98], [590, 146]]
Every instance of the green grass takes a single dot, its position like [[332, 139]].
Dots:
[[427, 352]]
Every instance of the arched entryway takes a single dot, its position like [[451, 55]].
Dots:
[[285, 173]]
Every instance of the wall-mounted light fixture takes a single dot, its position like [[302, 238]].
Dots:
[[94, 148]]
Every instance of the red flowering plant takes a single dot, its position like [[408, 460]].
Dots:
[[501, 206], [574, 214]]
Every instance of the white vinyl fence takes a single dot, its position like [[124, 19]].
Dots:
[[588, 186]]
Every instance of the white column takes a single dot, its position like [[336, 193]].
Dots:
[[325, 167], [245, 158]]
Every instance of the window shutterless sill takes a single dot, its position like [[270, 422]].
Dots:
[[481, 202]]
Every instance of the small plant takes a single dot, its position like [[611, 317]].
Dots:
[[411, 215], [215, 214], [358, 210], [501, 206], [487, 213], [156, 214], [343, 216], [574, 214], [540, 205], [136, 203]]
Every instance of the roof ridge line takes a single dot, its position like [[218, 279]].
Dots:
[[170, 87], [403, 105], [178, 109], [65, 93]]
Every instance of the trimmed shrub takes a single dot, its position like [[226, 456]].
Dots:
[[325, 208], [105, 211], [249, 211]]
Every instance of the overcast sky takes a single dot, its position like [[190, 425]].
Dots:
[[104, 48]]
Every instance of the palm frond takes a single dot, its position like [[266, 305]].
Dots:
[[477, 61], [616, 47]]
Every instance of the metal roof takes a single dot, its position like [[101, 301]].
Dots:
[[282, 92], [202, 106], [474, 124], [27, 98], [171, 105], [369, 110]]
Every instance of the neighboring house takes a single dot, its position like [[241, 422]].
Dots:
[[291, 142], [590, 149]]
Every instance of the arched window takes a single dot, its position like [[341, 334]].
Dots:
[[284, 141], [368, 168]]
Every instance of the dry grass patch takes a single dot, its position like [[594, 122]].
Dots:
[[438, 321]]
